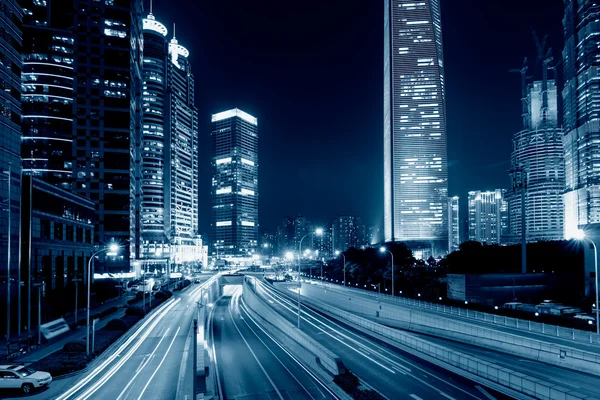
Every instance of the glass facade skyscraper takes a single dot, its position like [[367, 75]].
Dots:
[[488, 216], [415, 149], [108, 117], [234, 184], [48, 94], [453, 223], [581, 114]]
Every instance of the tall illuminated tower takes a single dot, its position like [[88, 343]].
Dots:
[[234, 184], [415, 149]]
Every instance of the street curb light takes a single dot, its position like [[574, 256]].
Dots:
[[111, 249], [383, 249]]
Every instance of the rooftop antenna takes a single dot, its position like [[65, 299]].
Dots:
[[173, 30], [150, 6], [524, 105]]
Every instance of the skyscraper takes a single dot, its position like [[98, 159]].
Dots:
[[538, 155], [453, 224], [415, 159], [234, 184], [48, 94], [488, 216], [346, 233], [10, 145], [107, 126], [581, 114], [169, 185]]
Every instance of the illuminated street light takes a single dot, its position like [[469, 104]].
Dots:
[[318, 232], [382, 249], [580, 235]]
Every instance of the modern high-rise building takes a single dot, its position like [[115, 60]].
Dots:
[[453, 224], [11, 15], [488, 216], [285, 236], [107, 125], [346, 232], [581, 114], [234, 184], [415, 149], [169, 152], [47, 98], [538, 157]]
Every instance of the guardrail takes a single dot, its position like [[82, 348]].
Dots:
[[577, 335], [483, 369], [287, 333]]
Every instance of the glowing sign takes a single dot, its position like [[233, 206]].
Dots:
[[224, 190], [151, 24], [224, 160], [223, 223], [248, 162], [247, 191], [234, 113], [247, 223]]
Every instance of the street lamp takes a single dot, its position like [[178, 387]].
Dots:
[[580, 235], [317, 232], [339, 253], [112, 248], [382, 249]]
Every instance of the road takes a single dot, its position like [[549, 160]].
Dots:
[[392, 373], [146, 365], [564, 340], [251, 365]]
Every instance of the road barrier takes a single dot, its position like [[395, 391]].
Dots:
[[290, 336], [496, 374]]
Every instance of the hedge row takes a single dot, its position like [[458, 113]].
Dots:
[[101, 314], [350, 384]]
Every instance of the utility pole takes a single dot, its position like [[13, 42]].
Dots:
[[195, 359], [519, 183], [76, 280]]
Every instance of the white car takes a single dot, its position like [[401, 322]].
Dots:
[[20, 377]]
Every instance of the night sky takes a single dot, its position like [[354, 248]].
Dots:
[[312, 73]]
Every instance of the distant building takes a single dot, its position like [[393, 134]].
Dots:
[[234, 184], [302, 227], [538, 157], [57, 242], [488, 216], [322, 243], [581, 111], [453, 224], [414, 127], [346, 232], [285, 236]]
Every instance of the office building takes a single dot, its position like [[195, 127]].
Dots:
[[581, 115], [453, 224], [107, 126], [346, 233], [169, 152], [415, 149], [488, 216], [11, 15], [538, 157], [285, 236], [57, 233], [234, 184], [47, 99]]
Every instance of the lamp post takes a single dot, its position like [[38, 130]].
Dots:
[[76, 280], [384, 250], [339, 253], [113, 248], [580, 235], [318, 232], [40, 286]]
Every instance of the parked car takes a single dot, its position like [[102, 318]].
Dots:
[[591, 320], [24, 378]]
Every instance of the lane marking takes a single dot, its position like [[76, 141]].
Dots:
[[255, 357], [485, 393], [447, 396], [143, 366], [159, 364]]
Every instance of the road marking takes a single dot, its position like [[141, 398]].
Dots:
[[255, 357], [142, 365], [447, 396], [159, 364], [485, 393], [414, 396]]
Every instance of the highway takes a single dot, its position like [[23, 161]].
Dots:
[[251, 365], [392, 373], [147, 364], [565, 340]]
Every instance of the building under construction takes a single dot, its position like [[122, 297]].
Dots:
[[537, 163]]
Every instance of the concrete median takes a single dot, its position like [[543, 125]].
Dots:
[[458, 362], [303, 346], [423, 322]]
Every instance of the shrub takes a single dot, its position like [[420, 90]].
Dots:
[[132, 301], [161, 295], [61, 363], [77, 346], [186, 282], [366, 395], [130, 320], [116, 325], [105, 338], [347, 381], [156, 302], [134, 310], [108, 311]]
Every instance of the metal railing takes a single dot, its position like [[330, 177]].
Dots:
[[562, 332]]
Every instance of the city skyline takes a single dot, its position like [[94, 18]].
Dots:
[[342, 140]]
